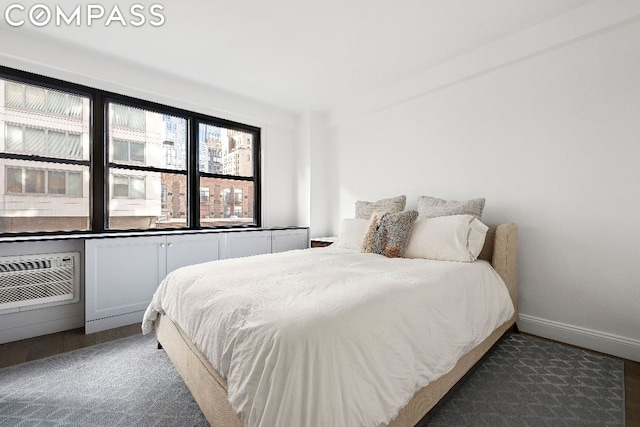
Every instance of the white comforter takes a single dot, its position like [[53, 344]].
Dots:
[[331, 337]]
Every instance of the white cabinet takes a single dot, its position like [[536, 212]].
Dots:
[[289, 239], [247, 243], [193, 249], [122, 273]]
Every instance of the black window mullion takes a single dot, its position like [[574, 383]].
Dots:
[[193, 175], [257, 190], [99, 177]]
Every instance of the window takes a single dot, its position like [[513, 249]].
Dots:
[[75, 158], [163, 192], [123, 116], [152, 146], [57, 182], [47, 142], [34, 181], [34, 98], [226, 162], [15, 181], [131, 187], [128, 151], [41, 181], [226, 196], [204, 194], [45, 158]]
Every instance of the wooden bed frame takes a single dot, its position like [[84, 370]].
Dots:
[[209, 389]]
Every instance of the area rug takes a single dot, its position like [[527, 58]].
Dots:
[[127, 382], [524, 381], [528, 381]]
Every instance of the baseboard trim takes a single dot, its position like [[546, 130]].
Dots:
[[42, 328], [587, 338], [98, 325]]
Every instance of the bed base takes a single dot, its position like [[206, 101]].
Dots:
[[209, 389]]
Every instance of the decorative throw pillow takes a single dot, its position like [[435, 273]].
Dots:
[[431, 207], [370, 234], [351, 232], [393, 234], [394, 204], [447, 238]]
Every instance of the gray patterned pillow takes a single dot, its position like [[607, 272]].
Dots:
[[394, 204], [393, 233], [432, 207]]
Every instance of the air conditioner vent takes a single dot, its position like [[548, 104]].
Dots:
[[31, 280]]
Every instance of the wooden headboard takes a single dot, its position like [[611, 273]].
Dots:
[[501, 250]]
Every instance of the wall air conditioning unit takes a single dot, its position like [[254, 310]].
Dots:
[[37, 281]]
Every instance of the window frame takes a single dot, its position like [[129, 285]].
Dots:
[[100, 165], [239, 178]]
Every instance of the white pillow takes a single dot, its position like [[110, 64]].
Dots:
[[351, 233], [447, 238]]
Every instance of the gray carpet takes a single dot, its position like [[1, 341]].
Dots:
[[128, 382], [527, 381], [523, 382]]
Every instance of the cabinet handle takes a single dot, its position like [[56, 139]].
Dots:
[[162, 245], [170, 244]]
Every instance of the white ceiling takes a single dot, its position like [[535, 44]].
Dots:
[[305, 55]]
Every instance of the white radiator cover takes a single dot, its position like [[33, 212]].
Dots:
[[37, 281]]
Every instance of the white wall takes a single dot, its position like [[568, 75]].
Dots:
[[546, 126]]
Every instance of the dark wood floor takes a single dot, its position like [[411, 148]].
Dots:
[[47, 345], [35, 348], [632, 392]]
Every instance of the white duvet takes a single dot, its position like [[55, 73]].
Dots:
[[331, 337]]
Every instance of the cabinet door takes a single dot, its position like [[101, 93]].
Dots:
[[246, 243], [192, 249], [121, 276], [286, 240]]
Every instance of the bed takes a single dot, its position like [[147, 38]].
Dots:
[[211, 389]]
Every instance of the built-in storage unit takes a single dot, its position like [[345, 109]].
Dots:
[[248, 243], [122, 273], [265, 241], [289, 239]]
